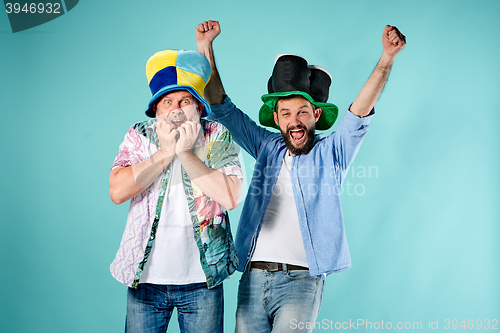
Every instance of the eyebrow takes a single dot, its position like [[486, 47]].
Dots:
[[187, 95], [300, 108]]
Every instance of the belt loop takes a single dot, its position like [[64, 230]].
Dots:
[[272, 266], [285, 269]]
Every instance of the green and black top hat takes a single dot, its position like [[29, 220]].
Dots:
[[293, 76]]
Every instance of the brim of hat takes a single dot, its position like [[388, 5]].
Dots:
[[328, 116], [164, 90]]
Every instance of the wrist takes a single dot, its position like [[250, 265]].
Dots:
[[164, 155], [387, 59], [385, 63], [184, 154], [205, 48]]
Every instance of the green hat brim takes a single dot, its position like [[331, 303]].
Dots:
[[326, 120]]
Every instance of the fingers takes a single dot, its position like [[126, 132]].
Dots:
[[182, 131], [167, 133], [387, 29], [165, 129], [394, 36], [188, 133], [205, 26], [189, 129], [214, 25], [208, 25], [164, 125], [172, 134], [202, 27]]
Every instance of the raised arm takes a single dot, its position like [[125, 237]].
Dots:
[[205, 35], [245, 132], [393, 42]]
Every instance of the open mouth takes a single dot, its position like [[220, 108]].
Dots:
[[177, 122], [298, 135]]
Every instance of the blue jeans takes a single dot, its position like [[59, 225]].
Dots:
[[283, 301], [199, 309]]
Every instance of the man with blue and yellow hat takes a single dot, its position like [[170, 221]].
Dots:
[[182, 173], [291, 232]]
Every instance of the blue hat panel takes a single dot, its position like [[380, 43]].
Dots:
[[165, 77]]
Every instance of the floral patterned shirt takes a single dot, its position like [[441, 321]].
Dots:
[[210, 219]]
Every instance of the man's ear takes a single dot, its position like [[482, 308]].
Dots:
[[275, 115], [317, 113], [201, 107]]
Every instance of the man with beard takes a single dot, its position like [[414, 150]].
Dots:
[[291, 232], [181, 173]]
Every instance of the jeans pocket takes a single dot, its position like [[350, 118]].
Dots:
[[302, 275]]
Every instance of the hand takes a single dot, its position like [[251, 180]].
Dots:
[[167, 133], [206, 32], [393, 40], [188, 134]]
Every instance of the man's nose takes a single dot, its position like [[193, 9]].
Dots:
[[294, 120], [177, 110]]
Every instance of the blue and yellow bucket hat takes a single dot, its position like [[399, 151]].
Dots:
[[171, 70]]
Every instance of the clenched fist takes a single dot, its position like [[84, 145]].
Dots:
[[393, 40], [188, 134], [206, 32], [167, 135]]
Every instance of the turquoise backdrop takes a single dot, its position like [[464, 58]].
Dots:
[[420, 204]]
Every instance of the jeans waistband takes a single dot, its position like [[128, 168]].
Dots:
[[276, 267]]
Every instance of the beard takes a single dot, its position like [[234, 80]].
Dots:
[[308, 144]]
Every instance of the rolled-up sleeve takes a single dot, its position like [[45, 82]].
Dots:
[[347, 139]]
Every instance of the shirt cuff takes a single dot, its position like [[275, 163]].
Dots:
[[357, 121], [233, 170]]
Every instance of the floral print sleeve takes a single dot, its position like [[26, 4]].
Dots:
[[131, 150]]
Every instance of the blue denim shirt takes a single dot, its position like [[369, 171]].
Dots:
[[316, 180]]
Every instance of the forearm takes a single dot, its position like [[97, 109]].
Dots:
[[366, 99], [214, 91], [127, 182], [224, 189]]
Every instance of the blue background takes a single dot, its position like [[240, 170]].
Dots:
[[422, 226]]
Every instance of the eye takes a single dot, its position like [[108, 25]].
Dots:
[[166, 101], [186, 101]]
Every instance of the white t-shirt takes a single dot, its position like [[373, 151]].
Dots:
[[174, 258], [280, 239]]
